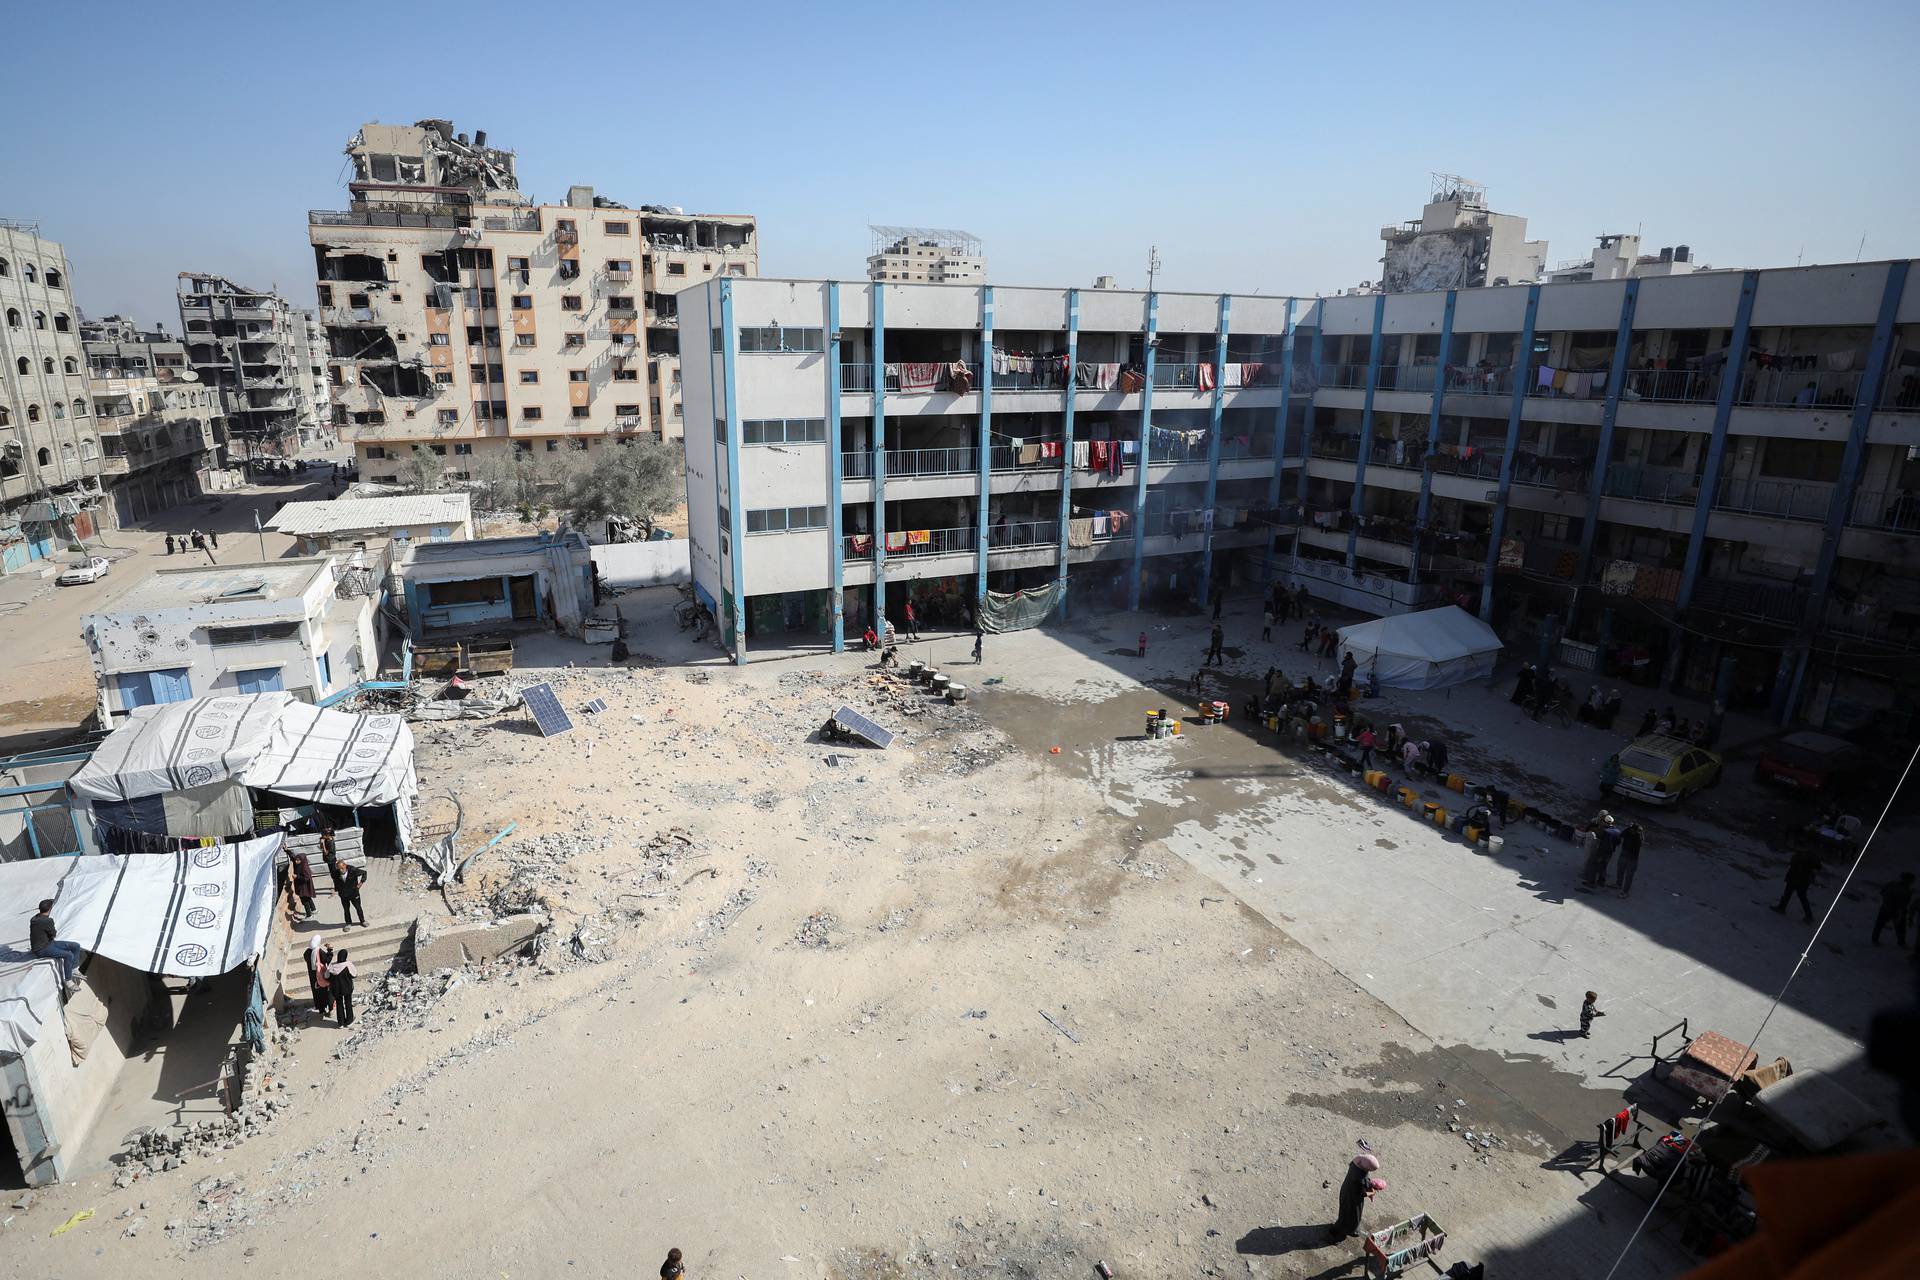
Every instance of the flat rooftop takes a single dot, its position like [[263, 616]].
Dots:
[[347, 514], [220, 584], [429, 553]]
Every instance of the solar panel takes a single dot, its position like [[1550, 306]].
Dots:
[[595, 707], [548, 714], [861, 727]]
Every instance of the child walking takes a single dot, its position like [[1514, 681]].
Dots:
[[1588, 1012]]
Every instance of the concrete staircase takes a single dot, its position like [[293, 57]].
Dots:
[[375, 948]]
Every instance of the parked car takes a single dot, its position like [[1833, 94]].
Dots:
[[1808, 761], [80, 574], [1663, 770]]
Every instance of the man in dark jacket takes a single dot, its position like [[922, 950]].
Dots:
[[1630, 841], [1896, 897], [1800, 873], [43, 940]]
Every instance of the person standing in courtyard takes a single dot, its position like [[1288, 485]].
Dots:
[[340, 978], [1630, 842], [301, 876], [1589, 1010], [1307, 635], [913, 621], [1366, 741], [318, 953], [349, 881], [1219, 600], [1801, 869], [1266, 623], [1347, 668], [213, 539], [1142, 652], [169, 544], [1215, 641], [1896, 899], [1359, 1186], [979, 643], [44, 941]]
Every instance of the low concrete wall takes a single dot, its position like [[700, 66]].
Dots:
[[473, 943], [644, 564], [1368, 592]]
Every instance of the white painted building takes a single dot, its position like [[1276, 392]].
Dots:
[[303, 625], [343, 523], [1705, 480]]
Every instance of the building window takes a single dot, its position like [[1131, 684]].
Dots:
[[578, 446], [627, 410], [574, 341], [779, 339], [531, 413], [449, 417], [6, 269], [676, 268], [376, 451], [72, 365], [33, 414], [462, 450], [676, 408], [438, 340], [654, 404], [522, 302], [570, 302], [576, 375], [443, 378], [529, 376], [39, 317], [31, 277], [553, 446], [616, 228], [582, 411], [13, 318], [786, 519], [626, 375], [79, 408], [438, 450], [521, 265], [523, 340]]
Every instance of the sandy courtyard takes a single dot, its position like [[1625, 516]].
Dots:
[[963, 1007]]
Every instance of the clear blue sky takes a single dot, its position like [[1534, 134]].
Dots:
[[1260, 146]]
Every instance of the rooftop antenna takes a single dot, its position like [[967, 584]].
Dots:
[[1153, 265], [1863, 247]]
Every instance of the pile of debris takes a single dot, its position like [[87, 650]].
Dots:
[[397, 1001], [163, 1150], [222, 1208]]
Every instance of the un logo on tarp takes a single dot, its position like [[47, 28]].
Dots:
[[190, 955]]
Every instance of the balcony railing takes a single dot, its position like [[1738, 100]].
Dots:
[[1901, 389], [1803, 389], [1653, 484], [1765, 600], [1338, 445], [1014, 535], [381, 218], [1479, 380], [1781, 499], [1350, 377], [1672, 386], [909, 463], [1891, 510], [901, 544]]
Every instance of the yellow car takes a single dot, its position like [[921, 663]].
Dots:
[[1662, 770]]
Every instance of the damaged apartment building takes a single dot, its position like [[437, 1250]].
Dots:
[[163, 434], [261, 354], [49, 448], [1708, 481], [465, 318]]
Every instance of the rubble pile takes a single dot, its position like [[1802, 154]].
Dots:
[[221, 1209], [163, 1150], [817, 930]]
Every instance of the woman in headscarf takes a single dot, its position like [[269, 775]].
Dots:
[[318, 953], [340, 977], [1358, 1188], [301, 876]]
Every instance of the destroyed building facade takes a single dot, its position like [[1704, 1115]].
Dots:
[[256, 350], [1459, 243], [163, 432], [465, 318], [926, 255], [49, 447], [1712, 474]]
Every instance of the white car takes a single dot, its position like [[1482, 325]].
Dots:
[[92, 571]]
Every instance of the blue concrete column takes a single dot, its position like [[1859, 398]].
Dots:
[[1146, 438], [1365, 452], [736, 511], [1066, 462], [1433, 432], [1280, 435], [984, 459], [880, 460], [836, 593], [1316, 352], [1523, 357], [1603, 450], [1730, 375], [1215, 419], [1853, 459]]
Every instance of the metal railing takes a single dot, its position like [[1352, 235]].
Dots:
[[1764, 600], [859, 377], [1799, 389], [1472, 380], [1672, 386], [1004, 458], [380, 218], [1652, 484], [938, 542], [1341, 446], [1897, 511], [1781, 499], [1172, 375], [1901, 390], [908, 463], [1347, 376], [1018, 534]]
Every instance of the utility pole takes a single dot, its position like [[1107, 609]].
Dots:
[[263, 534], [1153, 265]]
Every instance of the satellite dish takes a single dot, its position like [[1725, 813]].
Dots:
[[189, 375]]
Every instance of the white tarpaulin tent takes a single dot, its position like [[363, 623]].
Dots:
[[266, 741], [1426, 650], [193, 914]]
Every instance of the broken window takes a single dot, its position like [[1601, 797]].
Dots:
[[442, 378], [326, 295], [569, 270], [441, 268], [626, 375], [574, 341], [462, 450], [620, 302], [627, 410], [474, 335], [522, 339], [449, 417], [570, 303], [384, 168]]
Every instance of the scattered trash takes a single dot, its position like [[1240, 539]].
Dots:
[[1057, 1027], [1053, 751], [974, 1013], [72, 1222]]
